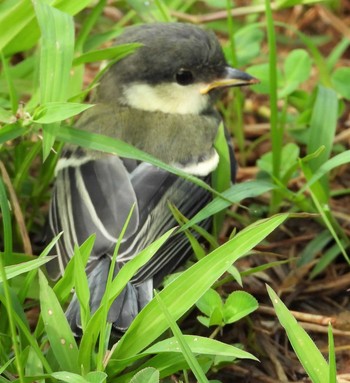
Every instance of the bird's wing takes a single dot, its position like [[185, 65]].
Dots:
[[94, 196], [155, 189], [91, 196]]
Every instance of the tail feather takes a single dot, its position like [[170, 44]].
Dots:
[[125, 307]]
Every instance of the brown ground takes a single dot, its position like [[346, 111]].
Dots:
[[316, 302]]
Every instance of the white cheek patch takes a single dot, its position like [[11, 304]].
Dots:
[[166, 98]]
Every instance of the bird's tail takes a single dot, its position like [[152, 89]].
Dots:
[[125, 307]]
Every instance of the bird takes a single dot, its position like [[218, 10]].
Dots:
[[160, 99]]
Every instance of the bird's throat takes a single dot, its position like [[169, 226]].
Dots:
[[181, 139]]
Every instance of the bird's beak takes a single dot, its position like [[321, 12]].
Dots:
[[232, 77]]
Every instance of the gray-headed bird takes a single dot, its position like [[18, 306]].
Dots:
[[159, 99]]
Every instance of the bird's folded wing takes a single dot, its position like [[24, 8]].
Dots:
[[91, 197], [95, 197]]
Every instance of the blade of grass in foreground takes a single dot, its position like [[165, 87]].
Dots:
[[6, 218], [308, 354], [56, 56], [331, 356], [186, 351], [57, 328], [180, 295]]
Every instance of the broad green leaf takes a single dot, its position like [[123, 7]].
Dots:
[[96, 377], [238, 305], [57, 328], [56, 56], [69, 377], [11, 131], [289, 156], [209, 301], [147, 375], [6, 116], [195, 281], [58, 111], [307, 352], [14, 20], [322, 128], [297, 67], [248, 40], [340, 81], [19, 27]]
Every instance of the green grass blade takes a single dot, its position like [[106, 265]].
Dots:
[[10, 132], [148, 374], [15, 270], [338, 160], [65, 284], [322, 128], [200, 345], [58, 111], [14, 20], [56, 56], [181, 341], [195, 281], [57, 328], [234, 194], [109, 145], [276, 130], [81, 287], [69, 377], [7, 238], [308, 354], [12, 91], [331, 352], [113, 53], [88, 24], [125, 274], [103, 338], [221, 178]]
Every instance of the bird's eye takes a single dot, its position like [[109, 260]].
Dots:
[[184, 77]]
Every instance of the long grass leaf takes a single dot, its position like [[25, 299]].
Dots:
[[322, 129], [180, 295], [56, 56], [181, 341], [57, 328], [15, 270], [6, 218], [308, 354]]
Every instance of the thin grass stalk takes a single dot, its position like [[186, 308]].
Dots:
[[6, 219], [88, 25], [237, 127], [103, 337], [276, 130]]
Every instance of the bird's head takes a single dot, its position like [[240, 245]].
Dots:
[[178, 69]]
